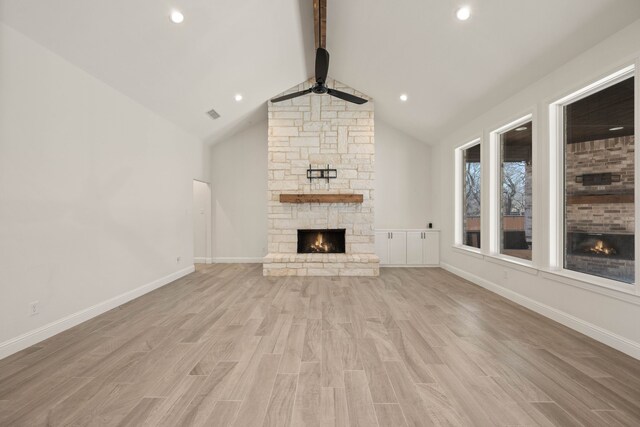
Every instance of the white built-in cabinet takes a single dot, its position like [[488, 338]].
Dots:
[[382, 246], [408, 247]]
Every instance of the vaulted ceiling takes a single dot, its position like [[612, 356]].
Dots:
[[451, 70]]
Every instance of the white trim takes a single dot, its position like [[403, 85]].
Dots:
[[512, 262], [604, 336], [428, 230], [637, 162], [410, 265], [495, 180], [589, 281], [468, 250], [30, 338], [494, 191], [557, 185], [202, 260], [237, 260], [458, 237], [600, 84]]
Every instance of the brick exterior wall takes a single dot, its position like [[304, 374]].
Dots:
[[528, 201], [321, 130], [615, 155]]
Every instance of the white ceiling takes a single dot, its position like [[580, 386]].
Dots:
[[451, 70]]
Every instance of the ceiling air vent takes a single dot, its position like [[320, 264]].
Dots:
[[213, 114]]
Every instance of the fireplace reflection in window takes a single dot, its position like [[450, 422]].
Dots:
[[321, 241], [605, 255], [599, 179]]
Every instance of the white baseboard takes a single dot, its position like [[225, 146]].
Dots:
[[409, 265], [609, 338], [30, 338], [202, 260], [238, 260]]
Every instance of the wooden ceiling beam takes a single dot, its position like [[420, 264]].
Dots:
[[320, 23]]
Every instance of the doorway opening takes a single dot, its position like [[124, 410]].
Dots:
[[201, 223]]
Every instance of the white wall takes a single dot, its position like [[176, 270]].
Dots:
[[403, 182], [608, 315], [95, 195], [239, 167], [239, 196]]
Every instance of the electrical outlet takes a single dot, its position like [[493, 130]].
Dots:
[[34, 308], [178, 260]]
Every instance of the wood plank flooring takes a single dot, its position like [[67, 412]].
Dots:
[[225, 346]]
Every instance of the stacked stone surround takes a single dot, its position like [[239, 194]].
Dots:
[[321, 130]]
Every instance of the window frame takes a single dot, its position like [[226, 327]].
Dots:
[[495, 188], [557, 182], [459, 195]]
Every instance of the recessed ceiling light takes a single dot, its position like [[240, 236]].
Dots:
[[176, 17], [520, 129], [403, 97], [617, 128], [238, 97], [463, 13]]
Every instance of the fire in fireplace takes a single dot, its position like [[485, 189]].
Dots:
[[619, 246], [321, 241], [606, 255], [601, 248]]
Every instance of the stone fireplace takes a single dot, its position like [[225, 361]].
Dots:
[[307, 134]]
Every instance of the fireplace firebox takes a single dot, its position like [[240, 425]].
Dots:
[[614, 246], [600, 254], [321, 241]]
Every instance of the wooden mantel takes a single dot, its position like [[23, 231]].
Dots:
[[594, 199], [321, 198]]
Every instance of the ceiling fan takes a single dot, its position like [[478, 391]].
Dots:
[[322, 62]]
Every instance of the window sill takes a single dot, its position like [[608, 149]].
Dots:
[[610, 288], [623, 291], [511, 262], [468, 250]]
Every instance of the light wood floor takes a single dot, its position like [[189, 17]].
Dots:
[[225, 346]]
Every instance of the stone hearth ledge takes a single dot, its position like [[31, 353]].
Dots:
[[321, 265]]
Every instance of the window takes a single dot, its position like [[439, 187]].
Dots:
[[471, 180], [515, 224], [598, 209]]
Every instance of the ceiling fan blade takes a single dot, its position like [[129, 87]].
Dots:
[[322, 65], [346, 96], [291, 95]]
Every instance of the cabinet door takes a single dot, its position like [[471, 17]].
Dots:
[[431, 248], [414, 247], [398, 247], [382, 246]]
